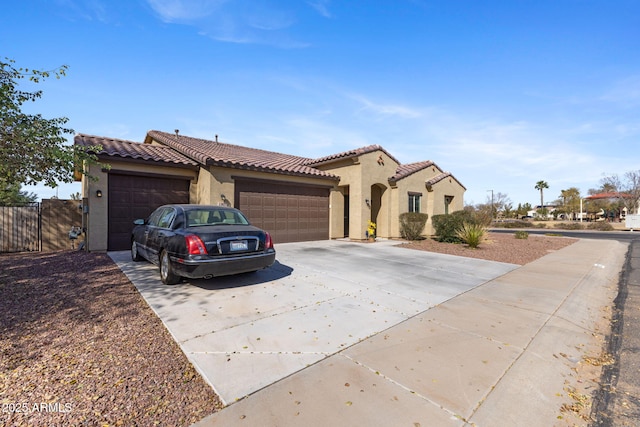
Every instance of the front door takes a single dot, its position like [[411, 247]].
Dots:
[[346, 215]]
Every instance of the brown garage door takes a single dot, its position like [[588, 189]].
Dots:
[[132, 197], [290, 213]]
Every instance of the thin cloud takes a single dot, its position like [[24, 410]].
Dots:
[[321, 6], [386, 109], [253, 38], [504, 156], [240, 21], [172, 11], [319, 136], [88, 10], [625, 92], [272, 20]]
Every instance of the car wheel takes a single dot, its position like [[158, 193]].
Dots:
[[166, 272], [135, 256]]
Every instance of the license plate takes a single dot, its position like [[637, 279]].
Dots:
[[239, 246]]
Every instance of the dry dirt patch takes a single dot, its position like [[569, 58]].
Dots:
[[502, 247], [79, 346]]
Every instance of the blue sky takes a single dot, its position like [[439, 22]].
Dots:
[[502, 93]]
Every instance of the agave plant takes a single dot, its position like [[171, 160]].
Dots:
[[472, 234]]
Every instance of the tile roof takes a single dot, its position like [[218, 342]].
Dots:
[[189, 151], [442, 176], [133, 150], [348, 154], [404, 171], [610, 195], [209, 152]]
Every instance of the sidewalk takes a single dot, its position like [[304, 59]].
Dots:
[[503, 353]]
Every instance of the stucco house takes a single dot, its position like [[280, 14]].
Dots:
[[294, 198]]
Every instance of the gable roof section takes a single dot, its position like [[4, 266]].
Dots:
[[134, 150], [404, 171], [348, 154], [213, 153], [441, 177]]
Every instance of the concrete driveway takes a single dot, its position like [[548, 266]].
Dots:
[[246, 332]]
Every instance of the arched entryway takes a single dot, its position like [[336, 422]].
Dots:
[[380, 209]]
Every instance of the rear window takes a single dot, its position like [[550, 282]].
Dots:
[[199, 217]]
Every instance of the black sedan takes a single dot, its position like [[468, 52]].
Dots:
[[198, 241]]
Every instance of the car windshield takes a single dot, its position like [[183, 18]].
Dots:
[[200, 217]]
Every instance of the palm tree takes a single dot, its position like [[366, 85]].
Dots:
[[541, 185]]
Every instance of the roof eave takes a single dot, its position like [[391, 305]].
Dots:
[[128, 159], [353, 159], [446, 175], [428, 164], [351, 154], [254, 168]]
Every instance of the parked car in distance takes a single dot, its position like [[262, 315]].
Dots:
[[200, 241]]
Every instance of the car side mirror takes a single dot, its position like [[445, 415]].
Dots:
[[138, 221]]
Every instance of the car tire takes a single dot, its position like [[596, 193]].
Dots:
[[135, 256], [167, 275]]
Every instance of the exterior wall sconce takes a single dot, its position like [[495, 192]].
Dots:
[[99, 193], [368, 202]]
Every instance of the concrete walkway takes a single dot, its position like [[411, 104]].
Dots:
[[500, 354]]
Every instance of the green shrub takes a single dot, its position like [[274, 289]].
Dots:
[[412, 225], [472, 234], [483, 218], [600, 226], [569, 226], [446, 226], [521, 234]]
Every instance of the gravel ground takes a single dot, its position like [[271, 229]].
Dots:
[[503, 247], [79, 346]]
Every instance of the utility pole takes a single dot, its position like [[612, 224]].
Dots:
[[491, 204]]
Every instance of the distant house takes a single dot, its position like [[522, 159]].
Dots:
[[295, 198], [617, 214], [535, 212]]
